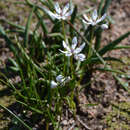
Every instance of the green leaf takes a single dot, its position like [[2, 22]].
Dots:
[[100, 7], [90, 105], [8, 41], [121, 47], [31, 108], [98, 34], [46, 11], [28, 26], [106, 6], [97, 60], [41, 20], [16, 117], [13, 24], [123, 84], [110, 70], [111, 45], [56, 35], [73, 17]]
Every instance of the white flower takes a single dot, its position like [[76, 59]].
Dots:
[[60, 79], [53, 84], [61, 14], [94, 20], [73, 50], [104, 26]]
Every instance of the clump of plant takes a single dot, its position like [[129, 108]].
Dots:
[[56, 61]]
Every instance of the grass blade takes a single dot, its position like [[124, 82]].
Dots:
[[121, 82], [97, 60], [43, 25], [8, 41], [111, 45], [121, 47], [107, 3], [13, 24], [31, 108], [100, 7], [17, 118], [27, 27], [98, 34], [110, 70]]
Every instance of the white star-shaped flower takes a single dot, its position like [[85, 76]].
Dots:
[[73, 50], [94, 20], [61, 14], [60, 80]]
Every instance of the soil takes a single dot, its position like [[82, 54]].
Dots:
[[107, 105]]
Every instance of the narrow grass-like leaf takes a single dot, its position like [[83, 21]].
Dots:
[[111, 45], [121, 82], [98, 38], [110, 70], [56, 35], [51, 3], [96, 60], [16, 117], [73, 17], [90, 105], [8, 41], [106, 6], [8, 83], [31, 108], [100, 7], [28, 27], [121, 47], [28, 58], [41, 20], [28, 2], [13, 24]]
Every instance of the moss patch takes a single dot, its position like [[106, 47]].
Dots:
[[119, 118]]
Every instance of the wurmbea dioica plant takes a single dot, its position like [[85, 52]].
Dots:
[[73, 51], [60, 80], [61, 14], [52, 64], [93, 20]]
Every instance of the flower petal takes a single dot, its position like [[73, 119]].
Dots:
[[53, 84], [86, 19], [101, 19], [74, 43], [69, 13], [60, 78], [80, 57], [104, 26], [51, 14], [66, 46], [57, 8], [94, 15], [66, 8], [66, 53], [79, 49], [63, 17], [57, 16], [67, 79]]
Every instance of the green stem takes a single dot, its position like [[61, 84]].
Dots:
[[91, 43], [47, 126], [72, 67], [63, 28]]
